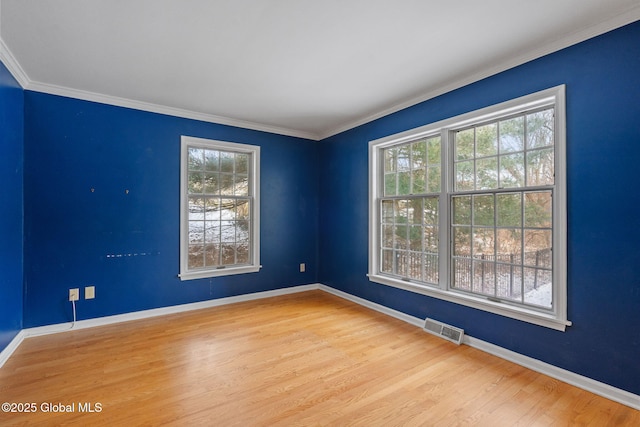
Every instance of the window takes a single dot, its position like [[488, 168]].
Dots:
[[219, 208], [473, 209]]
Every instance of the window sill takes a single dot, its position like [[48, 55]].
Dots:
[[547, 320], [228, 271]]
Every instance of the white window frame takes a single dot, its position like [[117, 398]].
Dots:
[[556, 318], [254, 186]]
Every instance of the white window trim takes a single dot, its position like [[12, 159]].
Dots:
[[556, 319], [254, 150]]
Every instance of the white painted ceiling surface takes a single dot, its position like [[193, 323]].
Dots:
[[297, 67]]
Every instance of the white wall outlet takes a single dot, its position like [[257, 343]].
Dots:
[[302, 267], [89, 292], [74, 294]]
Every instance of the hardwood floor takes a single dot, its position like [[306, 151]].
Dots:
[[299, 360]]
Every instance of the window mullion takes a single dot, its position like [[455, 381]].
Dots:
[[444, 217]]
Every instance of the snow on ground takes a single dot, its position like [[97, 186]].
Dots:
[[540, 296]]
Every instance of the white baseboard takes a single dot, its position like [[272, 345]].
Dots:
[[13, 346], [145, 314], [585, 383], [596, 387]]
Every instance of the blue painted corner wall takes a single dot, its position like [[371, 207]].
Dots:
[[131, 160], [11, 218], [602, 78]]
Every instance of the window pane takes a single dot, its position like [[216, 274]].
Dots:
[[509, 245], [430, 210], [462, 273], [418, 184], [241, 185], [403, 159], [464, 176], [404, 183], [537, 248], [195, 160], [537, 209], [414, 211], [462, 241], [415, 238], [512, 135], [462, 210], [212, 255], [242, 253], [387, 261], [487, 173], [387, 211], [243, 209], [387, 236], [227, 161], [414, 265], [242, 163], [212, 209], [196, 231], [483, 280], [226, 184], [487, 140], [483, 243], [540, 169], [433, 185], [431, 268], [464, 142], [212, 160], [228, 254], [538, 288], [211, 184], [419, 154], [433, 150], [509, 282], [195, 185], [483, 212], [196, 256], [431, 239], [390, 184], [512, 170], [540, 129], [390, 160], [509, 208], [400, 260], [212, 231], [400, 234]]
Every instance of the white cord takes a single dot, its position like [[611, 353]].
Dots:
[[73, 303]]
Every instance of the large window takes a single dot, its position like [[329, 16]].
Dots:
[[219, 208], [473, 209]]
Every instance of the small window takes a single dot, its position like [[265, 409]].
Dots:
[[472, 209], [219, 208]]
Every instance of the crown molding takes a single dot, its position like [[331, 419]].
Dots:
[[549, 47], [12, 65], [163, 109]]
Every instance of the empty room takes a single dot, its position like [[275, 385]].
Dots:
[[344, 213]]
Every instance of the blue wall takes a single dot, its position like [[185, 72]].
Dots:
[[72, 146], [602, 78], [11, 158]]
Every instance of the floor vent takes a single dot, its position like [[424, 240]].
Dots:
[[447, 332]]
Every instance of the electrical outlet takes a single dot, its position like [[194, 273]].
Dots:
[[302, 267], [89, 292], [74, 294]]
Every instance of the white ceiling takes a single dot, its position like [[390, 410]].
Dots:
[[297, 67]]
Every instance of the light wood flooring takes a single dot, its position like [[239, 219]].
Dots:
[[306, 359]]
